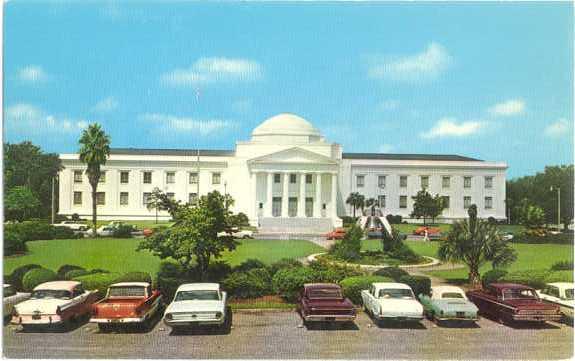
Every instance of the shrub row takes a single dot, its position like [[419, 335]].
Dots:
[[533, 278], [17, 234], [352, 286], [526, 237]]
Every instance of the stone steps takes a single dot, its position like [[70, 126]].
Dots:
[[295, 225]]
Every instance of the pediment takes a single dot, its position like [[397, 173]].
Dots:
[[294, 155]]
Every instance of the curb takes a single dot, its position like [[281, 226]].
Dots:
[[433, 262]]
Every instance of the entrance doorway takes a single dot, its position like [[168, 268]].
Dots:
[[309, 207], [292, 207], [277, 206]]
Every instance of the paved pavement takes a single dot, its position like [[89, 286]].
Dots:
[[278, 335]]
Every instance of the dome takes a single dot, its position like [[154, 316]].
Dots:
[[286, 124]]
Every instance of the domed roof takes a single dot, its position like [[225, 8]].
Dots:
[[286, 124]]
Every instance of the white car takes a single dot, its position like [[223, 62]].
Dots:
[[239, 233], [388, 301], [72, 225], [198, 304], [559, 293], [12, 298]]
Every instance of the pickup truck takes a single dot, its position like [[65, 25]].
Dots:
[[324, 302], [510, 302], [126, 303], [388, 301]]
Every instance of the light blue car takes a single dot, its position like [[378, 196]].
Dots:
[[448, 303]]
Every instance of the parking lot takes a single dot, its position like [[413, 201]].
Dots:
[[280, 335]]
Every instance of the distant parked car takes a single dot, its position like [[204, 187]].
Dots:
[[508, 236], [510, 302], [147, 232], [54, 304], [431, 231], [12, 298], [337, 234], [561, 294], [448, 303], [76, 226], [388, 301], [324, 302], [240, 233]]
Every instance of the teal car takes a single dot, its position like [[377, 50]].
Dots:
[[448, 303]]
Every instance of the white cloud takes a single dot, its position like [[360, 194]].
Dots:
[[32, 74], [187, 124], [557, 129], [450, 127], [426, 65], [508, 108], [214, 70], [106, 105], [26, 118], [387, 105], [385, 148]]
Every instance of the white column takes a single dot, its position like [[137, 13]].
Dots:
[[268, 204], [317, 200], [333, 195], [301, 205], [254, 191], [285, 194]]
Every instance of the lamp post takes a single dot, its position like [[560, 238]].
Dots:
[[558, 207]]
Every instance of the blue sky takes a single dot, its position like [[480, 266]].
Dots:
[[487, 80]]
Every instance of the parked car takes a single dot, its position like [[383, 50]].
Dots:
[[336, 234], [431, 231], [388, 301], [325, 302], [510, 302], [126, 303], [561, 294], [12, 298], [147, 232], [448, 303], [507, 236], [198, 304], [54, 304], [240, 233], [76, 226]]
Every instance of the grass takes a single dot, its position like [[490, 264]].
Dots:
[[422, 248], [119, 255]]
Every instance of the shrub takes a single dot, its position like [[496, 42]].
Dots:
[[64, 233], [349, 247], [562, 266], [532, 238], [18, 273], [394, 219], [532, 278], [348, 221], [403, 252], [492, 276], [61, 272], [248, 265], [31, 230], [13, 243], [218, 270], [491, 220], [288, 282], [284, 263], [123, 231], [170, 276], [37, 276], [395, 273], [98, 281], [75, 217], [170, 269], [134, 277], [75, 273], [419, 284], [352, 286], [252, 283], [333, 273], [560, 276]]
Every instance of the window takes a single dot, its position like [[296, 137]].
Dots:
[[308, 178], [100, 198], [77, 198], [146, 198], [488, 202], [552, 291], [192, 198], [292, 178], [466, 182], [403, 181], [170, 177], [193, 178], [488, 182], [147, 177], [381, 201], [466, 202], [216, 178], [360, 181], [124, 198], [170, 195], [424, 181], [102, 177], [292, 206], [445, 182], [277, 177], [77, 176], [124, 177], [402, 201], [381, 181], [445, 200]]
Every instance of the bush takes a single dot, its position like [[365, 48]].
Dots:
[[31, 230], [61, 272], [492, 276], [288, 282], [252, 283], [397, 219], [333, 273], [123, 231], [419, 284], [217, 271], [64, 233], [403, 252], [170, 269], [75, 273], [13, 243], [248, 265], [98, 281], [15, 278], [349, 247], [395, 273], [533, 238], [170, 276], [532, 278], [284, 263], [562, 266], [348, 221], [37, 276], [491, 220], [134, 277], [352, 286], [560, 276]]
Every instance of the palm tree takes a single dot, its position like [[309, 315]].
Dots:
[[355, 200], [94, 151], [474, 242]]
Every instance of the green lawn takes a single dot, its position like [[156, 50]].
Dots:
[[119, 255], [423, 248]]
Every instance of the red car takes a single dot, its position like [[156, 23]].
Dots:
[[324, 302], [337, 233], [510, 302], [431, 231], [126, 303]]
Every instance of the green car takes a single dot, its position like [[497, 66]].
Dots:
[[448, 303]]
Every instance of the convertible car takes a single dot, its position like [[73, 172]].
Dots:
[[448, 303]]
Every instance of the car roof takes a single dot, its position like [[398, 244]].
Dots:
[[510, 285], [562, 284], [391, 285], [130, 284], [58, 285], [199, 286], [321, 285], [442, 289]]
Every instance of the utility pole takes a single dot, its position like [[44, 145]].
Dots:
[[53, 203], [558, 208], [198, 174]]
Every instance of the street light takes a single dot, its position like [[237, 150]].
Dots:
[[558, 207]]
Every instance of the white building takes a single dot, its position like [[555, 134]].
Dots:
[[288, 177]]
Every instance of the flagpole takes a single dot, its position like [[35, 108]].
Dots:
[[198, 171]]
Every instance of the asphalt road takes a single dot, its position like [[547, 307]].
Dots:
[[273, 335]]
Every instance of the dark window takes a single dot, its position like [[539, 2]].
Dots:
[[77, 198], [124, 177], [292, 178], [308, 178], [277, 178], [147, 177], [77, 176]]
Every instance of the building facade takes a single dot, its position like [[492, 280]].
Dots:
[[287, 177]]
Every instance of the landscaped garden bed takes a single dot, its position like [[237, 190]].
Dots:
[[376, 258]]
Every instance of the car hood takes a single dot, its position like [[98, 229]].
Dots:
[[47, 306], [455, 305], [195, 306], [330, 303], [400, 305]]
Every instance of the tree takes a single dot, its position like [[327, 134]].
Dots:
[[19, 203], [202, 232], [94, 151], [161, 201], [530, 215], [349, 248], [356, 200], [426, 206], [474, 242]]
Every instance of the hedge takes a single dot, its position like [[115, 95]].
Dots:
[[288, 282], [561, 238], [37, 276], [419, 284], [61, 272], [562, 266], [492, 276], [284, 263], [13, 243], [98, 281], [332, 272], [18, 273], [217, 271], [135, 277], [395, 273], [249, 264], [253, 283], [75, 273], [352, 286]]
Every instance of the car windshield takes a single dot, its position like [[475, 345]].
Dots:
[[511, 294], [569, 294], [198, 295], [451, 295], [127, 291], [395, 293], [62, 294], [325, 293]]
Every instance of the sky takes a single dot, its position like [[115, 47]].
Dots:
[[487, 80]]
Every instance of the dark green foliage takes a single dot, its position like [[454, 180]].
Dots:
[[134, 277], [36, 276], [98, 281], [217, 271], [123, 231], [98, 270], [419, 284], [31, 230], [289, 282], [349, 248], [13, 243], [394, 219], [532, 278], [64, 233], [562, 266], [248, 265], [352, 286], [70, 275], [404, 253], [170, 277], [356, 200], [170, 269], [562, 238], [395, 273], [61, 272], [492, 276], [18, 273], [284, 263], [255, 282], [348, 221], [333, 273], [20, 203]]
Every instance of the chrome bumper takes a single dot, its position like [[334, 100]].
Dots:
[[191, 322], [329, 318], [118, 320]]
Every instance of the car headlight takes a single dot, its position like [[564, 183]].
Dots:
[[219, 315], [168, 316]]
